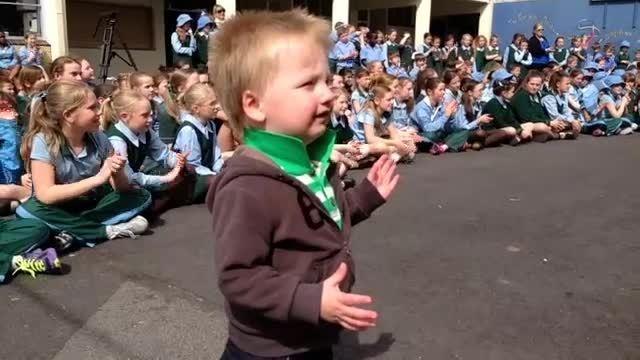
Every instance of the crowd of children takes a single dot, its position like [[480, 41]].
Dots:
[[83, 163]]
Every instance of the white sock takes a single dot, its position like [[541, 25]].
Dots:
[[14, 261]]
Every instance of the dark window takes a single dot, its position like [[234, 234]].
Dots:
[[401, 16], [20, 17]]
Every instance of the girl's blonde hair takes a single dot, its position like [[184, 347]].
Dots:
[[377, 92], [122, 81], [135, 79], [476, 41], [121, 101], [382, 80], [63, 96], [196, 95]]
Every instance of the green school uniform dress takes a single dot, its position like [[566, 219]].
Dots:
[[17, 237], [168, 125], [450, 62], [511, 57], [306, 163], [502, 113], [202, 54], [560, 56], [85, 217], [481, 59], [614, 124], [466, 53], [623, 57], [529, 108]]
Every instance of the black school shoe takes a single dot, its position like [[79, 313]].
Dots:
[[348, 183]]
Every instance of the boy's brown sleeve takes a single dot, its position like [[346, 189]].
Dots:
[[242, 226], [363, 200]]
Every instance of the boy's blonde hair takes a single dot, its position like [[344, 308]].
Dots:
[[121, 101], [244, 56], [62, 96]]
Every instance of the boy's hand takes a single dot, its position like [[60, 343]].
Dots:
[[338, 307], [383, 176]]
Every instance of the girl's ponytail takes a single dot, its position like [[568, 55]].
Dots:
[[48, 111]]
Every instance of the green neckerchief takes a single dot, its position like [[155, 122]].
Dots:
[[289, 152]]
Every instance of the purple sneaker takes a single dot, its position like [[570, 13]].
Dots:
[[38, 261]]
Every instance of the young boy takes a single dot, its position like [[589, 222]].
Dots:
[[281, 220]]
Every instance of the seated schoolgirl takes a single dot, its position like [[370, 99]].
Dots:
[[80, 186], [169, 118], [361, 94], [528, 108], [143, 83], [613, 104], [557, 105], [127, 118], [577, 100], [504, 127], [197, 137], [32, 80], [341, 124], [374, 127], [402, 106], [431, 119], [469, 115], [452, 88]]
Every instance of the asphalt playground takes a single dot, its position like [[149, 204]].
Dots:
[[520, 253]]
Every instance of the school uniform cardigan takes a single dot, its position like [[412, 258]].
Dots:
[[538, 48], [529, 108], [502, 113]]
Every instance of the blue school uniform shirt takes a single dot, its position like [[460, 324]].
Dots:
[[462, 122], [449, 96], [369, 54], [183, 50], [70, 167], [8, 57], [187, 141], [367, 116], [157, 151], [605, 98], [397, 71], [26, 58], [340, 50], [427, 117], [557, 106], [359, 97], [413, 74], [10, 139], [590, 95], [400, 116]]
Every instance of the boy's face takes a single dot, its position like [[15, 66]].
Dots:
[[297, 101]]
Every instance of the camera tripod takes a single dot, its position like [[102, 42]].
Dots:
[[110, 20]]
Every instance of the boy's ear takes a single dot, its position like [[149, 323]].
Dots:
[[251, 106]]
